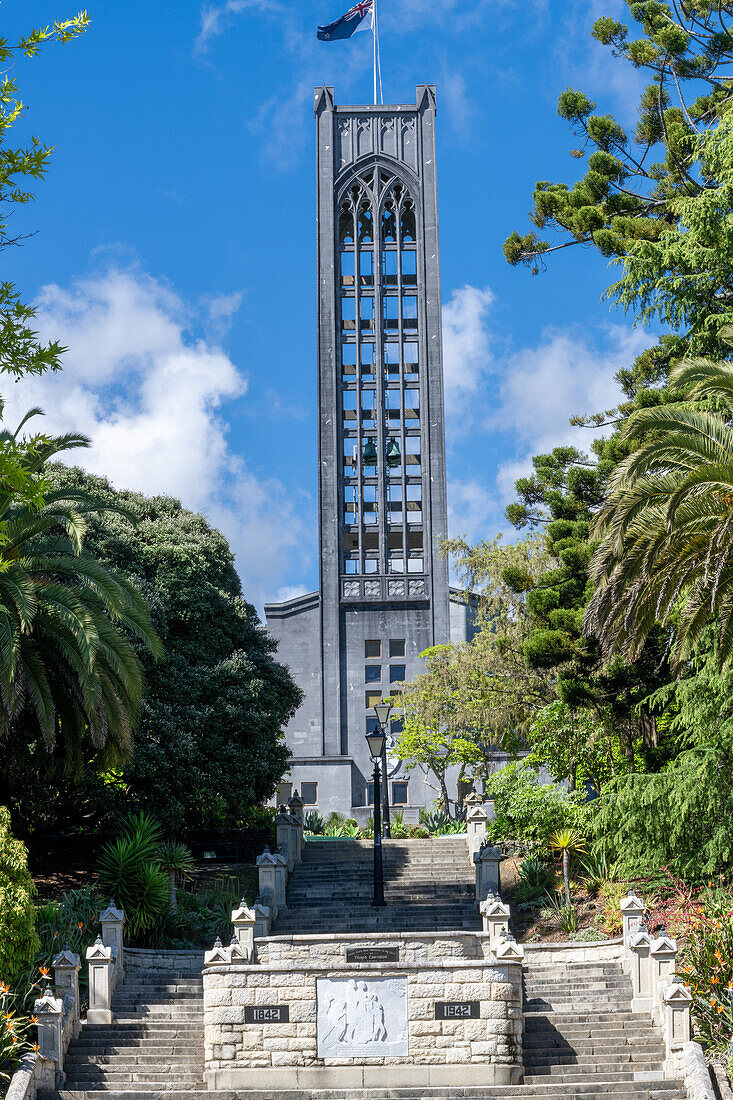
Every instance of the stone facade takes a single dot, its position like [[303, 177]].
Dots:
[[435, 968]]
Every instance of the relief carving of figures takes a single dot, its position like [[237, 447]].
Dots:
[[362, 1018]]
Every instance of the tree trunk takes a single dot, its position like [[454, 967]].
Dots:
[[566, 874], [174, 899], [444, 794]]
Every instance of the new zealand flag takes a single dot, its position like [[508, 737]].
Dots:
[[358, 18]]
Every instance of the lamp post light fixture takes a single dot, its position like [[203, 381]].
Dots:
[[383, 711], [376, 742]]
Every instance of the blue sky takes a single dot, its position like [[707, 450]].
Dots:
[[174, 247]]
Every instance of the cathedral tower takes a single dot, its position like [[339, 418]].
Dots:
[[383, 597]]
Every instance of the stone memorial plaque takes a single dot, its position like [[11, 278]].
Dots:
[[410, 816], [267, 1014], [457, 1010], [372, 954], [362, 1018]]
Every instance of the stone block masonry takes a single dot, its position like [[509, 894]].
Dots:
[[279, 1045]]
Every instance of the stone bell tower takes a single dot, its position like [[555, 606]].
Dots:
[[383, 597]]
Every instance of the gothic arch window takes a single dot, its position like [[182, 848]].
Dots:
[[379, 373]]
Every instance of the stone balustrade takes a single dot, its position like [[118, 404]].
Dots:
[[651, 962], [486, 862], [58, 1010]]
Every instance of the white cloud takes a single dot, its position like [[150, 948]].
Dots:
[[466, 343], [543, 386], [291, 592], [151, 396], [216, 18], [473, 509]]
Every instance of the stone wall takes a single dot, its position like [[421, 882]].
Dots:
[[329, 950], [241, 1054]]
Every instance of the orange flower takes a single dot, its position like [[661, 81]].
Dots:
[[36, 1047], [44, 971], [720, 1008], [34, 1019], [714, 980], [4, 988], [80, 925], [15, 1038]]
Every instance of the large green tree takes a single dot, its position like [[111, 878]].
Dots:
[[639, 187], [665, 529], [68, 670], [209, 744], [21, 167]]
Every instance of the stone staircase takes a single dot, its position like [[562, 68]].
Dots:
[[155, 1045], [581, 1038], [429, 886]]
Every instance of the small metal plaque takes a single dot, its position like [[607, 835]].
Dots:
[[457, 1010], [267, 1014], [372, 954]]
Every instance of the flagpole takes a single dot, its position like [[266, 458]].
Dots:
[[374, 44]]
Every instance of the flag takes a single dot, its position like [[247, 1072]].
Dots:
[[358, 18]]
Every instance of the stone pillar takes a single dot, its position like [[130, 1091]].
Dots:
[[262, 918], [112, 920], [100, 963], [675, 1000], [632, 914], [476, 829], [641, 972], [297, 812], [285, 831], [244, 920], [495, 916], [273, 870], [66, 967], [488, 880], [49, 1011], [663, 956]]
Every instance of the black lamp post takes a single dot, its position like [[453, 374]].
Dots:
[[382, 711], [375, 741]]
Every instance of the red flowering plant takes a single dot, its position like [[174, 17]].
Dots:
[[702, 920], [17, 1028]]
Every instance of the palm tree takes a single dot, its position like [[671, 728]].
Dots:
[[178, 863], [567, 841], [67, 662], [666, 531]]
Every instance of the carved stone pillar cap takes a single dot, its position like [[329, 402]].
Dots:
[[663, 945], [494, 907], [218, 956], [66, 960], [112, 913], [244, 915], [48, 1005], [267, 859], [640, 939], [487, 852], [675, 993], [283, 818], [631, 903], [473, 799], [296, 800], [98, 952], [279, 857], [476, 813]]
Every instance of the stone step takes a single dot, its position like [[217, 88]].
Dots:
[[604, 1077], [129, 1058], [667, 1090], [603, 1068]]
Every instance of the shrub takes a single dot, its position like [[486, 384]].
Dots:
[[15, 1027], [129, 873], [535, 880], [419, 832], [706, 965], [74, 921], [18, 940], [529, 811], [313, 823], [559, 914]]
